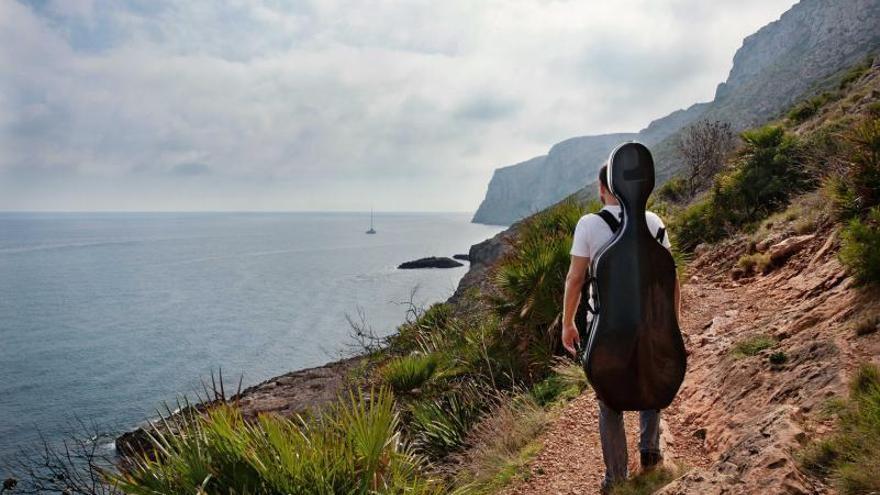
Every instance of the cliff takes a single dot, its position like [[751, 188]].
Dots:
[[776, 66]]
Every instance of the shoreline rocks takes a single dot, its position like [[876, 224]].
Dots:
[[430, 262]]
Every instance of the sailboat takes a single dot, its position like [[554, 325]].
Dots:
[[372, 230]]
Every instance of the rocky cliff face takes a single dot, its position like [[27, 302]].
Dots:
[[788, 57], [783, 62], [531, 186], [508, 196]]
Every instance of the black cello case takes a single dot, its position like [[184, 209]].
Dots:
[[635, 357]]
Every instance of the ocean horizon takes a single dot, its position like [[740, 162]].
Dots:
[[105, 316]]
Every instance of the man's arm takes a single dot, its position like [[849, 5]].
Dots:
[[574, 282]]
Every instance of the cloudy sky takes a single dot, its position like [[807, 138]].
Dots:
[[332, 104]]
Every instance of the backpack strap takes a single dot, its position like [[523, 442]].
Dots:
[[661, 234], [610, 219]]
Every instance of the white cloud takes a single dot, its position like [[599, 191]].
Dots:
[[332, 104]]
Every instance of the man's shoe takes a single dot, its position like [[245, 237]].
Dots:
[[650, 460]]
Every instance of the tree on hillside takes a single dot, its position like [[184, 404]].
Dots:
[[704, 147]]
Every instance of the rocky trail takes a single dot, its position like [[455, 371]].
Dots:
[[739, 419]]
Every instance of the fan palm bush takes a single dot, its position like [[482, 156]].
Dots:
[[354, 448], [855, 188], [409, 372], [530, 282], [440, 425]]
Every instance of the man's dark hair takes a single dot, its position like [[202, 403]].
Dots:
[[603, 176]]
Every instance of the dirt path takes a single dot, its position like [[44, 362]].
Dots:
[[570, 461]]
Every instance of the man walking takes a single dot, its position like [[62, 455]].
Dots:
[[591, 233]]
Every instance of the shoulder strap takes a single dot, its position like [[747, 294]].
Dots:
[[661, 233], [610, 219]]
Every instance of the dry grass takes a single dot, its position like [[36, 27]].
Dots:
[[755, 263], [501, 445], [866, 325]]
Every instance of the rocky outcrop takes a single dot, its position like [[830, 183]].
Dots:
[[781, 63], [430, 262], [482, 256]]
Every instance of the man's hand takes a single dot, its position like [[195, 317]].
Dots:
[[570, 337]]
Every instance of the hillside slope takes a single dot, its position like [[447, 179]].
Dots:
[[775, 67], [739, 421]]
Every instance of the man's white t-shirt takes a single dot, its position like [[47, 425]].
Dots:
[[592, 232]]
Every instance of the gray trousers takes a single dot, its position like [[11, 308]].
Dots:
[[613, 437]]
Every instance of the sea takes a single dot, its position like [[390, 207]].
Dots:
[[105, 317]]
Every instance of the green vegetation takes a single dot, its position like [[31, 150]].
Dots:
[[752, 345], [778, 358], [565, 383], [439, 425], [531, 281], [674, 190], [808, 108], [855, 192], [355, 448], [762, 178], [754, 263], [855, 187], [856, 72], [406, 373], [849, 457], [647, 482], [839, 150], [860, 247]]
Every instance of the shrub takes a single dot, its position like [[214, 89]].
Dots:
[[850, 456], [778, 358], [703, 147], [755, 263], [440, 425], [751, 346], [409, 336], [856, 187], [530, 282], [675, 190], [860, 247], [406, 373], [807, 108], [763, 180], [856, 72], [354, 448], [696, 224], [566, 382], [764, 175]]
